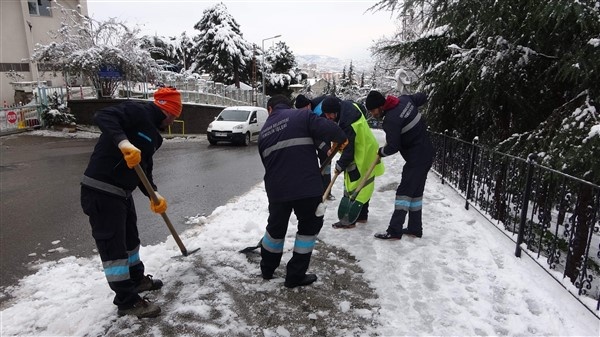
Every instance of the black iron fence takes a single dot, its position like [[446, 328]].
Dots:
[[551, 216]]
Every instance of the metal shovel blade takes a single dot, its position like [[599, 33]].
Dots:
[[251, 248], [349, 209]]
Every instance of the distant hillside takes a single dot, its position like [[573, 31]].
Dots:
[[324, 62]]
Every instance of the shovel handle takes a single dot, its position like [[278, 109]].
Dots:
[[155, 200], [366, 178], [329, 158], [328, 190]]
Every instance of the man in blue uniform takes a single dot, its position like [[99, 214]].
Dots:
[[293, 183], [130, 136], [405, 132], [323, 148]]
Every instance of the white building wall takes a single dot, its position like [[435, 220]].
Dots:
[[20, 32]]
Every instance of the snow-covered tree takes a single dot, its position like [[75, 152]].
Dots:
[[494, 68], [184, 49], [83, 45], [221, 49], [349, 87], [280, 69], [524, 74], [163, 50]]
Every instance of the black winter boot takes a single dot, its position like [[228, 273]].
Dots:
[[148, 283], [308, 279], [142, 309]]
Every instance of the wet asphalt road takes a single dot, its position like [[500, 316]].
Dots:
[[39, 193]]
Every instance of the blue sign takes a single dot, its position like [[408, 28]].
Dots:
[[110, 71]]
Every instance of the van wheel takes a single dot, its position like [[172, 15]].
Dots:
[[212, 142], [247, 139]]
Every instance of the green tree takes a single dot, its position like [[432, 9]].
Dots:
[[495, 68], [280, 69], [163, 50], [221, 49]]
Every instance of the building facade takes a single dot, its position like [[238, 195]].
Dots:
[[23, 25]]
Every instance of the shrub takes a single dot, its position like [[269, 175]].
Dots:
[[56, 113]]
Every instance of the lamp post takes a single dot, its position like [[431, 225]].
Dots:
[[263, 66]]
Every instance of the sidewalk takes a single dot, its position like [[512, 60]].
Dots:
[[460, 279], [14, 132]]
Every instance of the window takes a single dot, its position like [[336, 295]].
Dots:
[[233, 115], [40, 7], [5, 67]]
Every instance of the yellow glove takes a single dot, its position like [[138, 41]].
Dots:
[[161, 207], [132, 154]]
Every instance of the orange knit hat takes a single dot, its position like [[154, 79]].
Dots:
[[169, 100]]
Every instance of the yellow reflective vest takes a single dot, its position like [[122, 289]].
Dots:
[[365, 153]]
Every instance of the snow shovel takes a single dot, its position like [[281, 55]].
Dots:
[[327, 191], [329, 158], [155, 200], [349, 208], [251, 248]]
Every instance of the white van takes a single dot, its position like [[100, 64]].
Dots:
[[237, 124]]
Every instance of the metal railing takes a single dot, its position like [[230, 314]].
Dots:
[[551, 216], [198, 91]]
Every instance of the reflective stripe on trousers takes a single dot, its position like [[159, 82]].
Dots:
[[272, 245], [118, 270], [406, 203], [304, 244]]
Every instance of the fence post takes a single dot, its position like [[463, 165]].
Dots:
[[530, 161], [471, 168], [444, 155]]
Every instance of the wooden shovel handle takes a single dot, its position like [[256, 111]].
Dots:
[[155, 200], [329, 158], [365, 178], [328, 190]]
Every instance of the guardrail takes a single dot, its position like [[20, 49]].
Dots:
[[551, 216]]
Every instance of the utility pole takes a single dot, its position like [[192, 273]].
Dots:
[[263, 68]]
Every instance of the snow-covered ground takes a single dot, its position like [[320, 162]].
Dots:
[[461, 278]]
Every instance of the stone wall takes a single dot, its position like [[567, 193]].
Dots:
[[196, 117]]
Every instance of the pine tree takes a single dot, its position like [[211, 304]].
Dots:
[[184, 49], [351, 74], [495, 68], [163, 50], [280, 69], [221, 49]]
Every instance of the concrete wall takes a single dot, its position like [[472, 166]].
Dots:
[[196, 117]]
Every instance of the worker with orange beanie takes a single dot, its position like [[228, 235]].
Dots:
[[130, 136]]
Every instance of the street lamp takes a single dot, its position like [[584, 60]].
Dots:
[[263, 66]]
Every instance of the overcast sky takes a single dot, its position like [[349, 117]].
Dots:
[[340, 28]]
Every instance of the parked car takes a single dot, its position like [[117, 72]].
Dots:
[[237, 124]]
